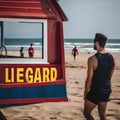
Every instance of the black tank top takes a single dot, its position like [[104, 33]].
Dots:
[[101, 78]]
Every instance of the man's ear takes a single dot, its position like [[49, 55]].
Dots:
[[97, 43]]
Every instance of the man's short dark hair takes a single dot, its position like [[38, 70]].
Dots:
[[101, 38]]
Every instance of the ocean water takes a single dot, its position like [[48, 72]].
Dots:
[[83, 45], [86, 45], [14, 44]]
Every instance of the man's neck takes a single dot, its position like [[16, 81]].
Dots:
[[101, 50]]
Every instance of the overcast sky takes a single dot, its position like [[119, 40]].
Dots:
[[86, 17]]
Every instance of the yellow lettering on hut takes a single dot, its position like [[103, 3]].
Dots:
[[30, 75], [9, 76], [46, 73], [53, 74], [37, 77], [20, 75]]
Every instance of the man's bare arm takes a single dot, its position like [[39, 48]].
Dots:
[[91, 66]]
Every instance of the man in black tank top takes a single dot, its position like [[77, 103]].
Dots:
[[98, 81]]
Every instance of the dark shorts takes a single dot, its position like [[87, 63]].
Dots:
[[96, 97], [74, 54]]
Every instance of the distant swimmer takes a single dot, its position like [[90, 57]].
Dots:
[[74, 52]]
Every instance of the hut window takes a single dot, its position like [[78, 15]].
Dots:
[[0, 34], [24, 40]]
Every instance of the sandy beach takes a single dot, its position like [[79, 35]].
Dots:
[[71, 110]]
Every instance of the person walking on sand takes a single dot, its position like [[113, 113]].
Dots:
[[31, 50], [74, 52], [98, 82]]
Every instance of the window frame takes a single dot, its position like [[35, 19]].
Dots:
[[29, 60]]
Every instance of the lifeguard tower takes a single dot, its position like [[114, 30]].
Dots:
[[40, 78]]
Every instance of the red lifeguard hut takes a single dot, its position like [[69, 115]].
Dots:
[[40, 78]]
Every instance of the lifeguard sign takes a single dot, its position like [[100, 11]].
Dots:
[[40, 77]]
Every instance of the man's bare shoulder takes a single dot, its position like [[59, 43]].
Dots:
[[92, 58], [92, 61]]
